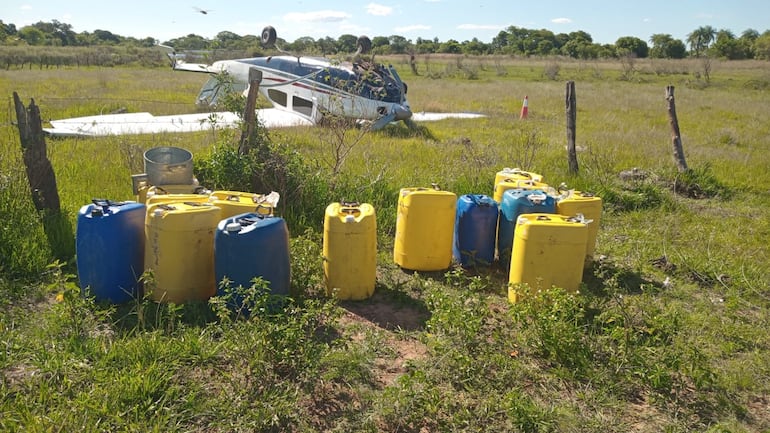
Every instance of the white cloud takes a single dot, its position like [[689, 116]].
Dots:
[[407, 29], [378, 10], [326, 16], [561, 20], [26, 7], [354, 29], [479, 27]]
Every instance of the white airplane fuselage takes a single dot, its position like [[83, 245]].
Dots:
[[311, 87]]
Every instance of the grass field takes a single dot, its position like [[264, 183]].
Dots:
[[670, 331]]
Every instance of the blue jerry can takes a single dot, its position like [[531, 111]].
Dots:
[[109, 246]]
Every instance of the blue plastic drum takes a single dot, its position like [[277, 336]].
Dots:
[[515, 202], [109, 243], [475, 226], [252, 245]]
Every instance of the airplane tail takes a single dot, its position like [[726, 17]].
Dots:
[[171, 54]]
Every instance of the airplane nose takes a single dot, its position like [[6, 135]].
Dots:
[[403, 112]]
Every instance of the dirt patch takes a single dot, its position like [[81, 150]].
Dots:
[[14, 376], [386, 314], [379, 312]]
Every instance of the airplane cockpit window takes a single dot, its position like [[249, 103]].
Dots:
[[302, 105], [208, 94], [216, 88], [277, 96]]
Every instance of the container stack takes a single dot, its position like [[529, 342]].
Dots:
[[181, 235], [189, 240]]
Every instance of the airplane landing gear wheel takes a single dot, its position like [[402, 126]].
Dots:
[[269, 36], [364, 44]]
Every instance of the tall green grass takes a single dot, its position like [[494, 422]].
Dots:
[[668, 333]]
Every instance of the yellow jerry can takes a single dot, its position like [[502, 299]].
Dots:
[[176, 198], [146, 192], [548, 250], [516, 174], [236, 202], [507, 184], [350, 250], [574, 203], [179, 250], [425, 229]]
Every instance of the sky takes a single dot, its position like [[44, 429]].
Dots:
[[461, 20]]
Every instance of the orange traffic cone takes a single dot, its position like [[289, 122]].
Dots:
[[524, 108]]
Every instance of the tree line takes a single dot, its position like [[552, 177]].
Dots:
[[517, 41]]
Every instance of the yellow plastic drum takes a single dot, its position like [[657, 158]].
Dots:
[[179, 250], [176, 198], [350, 250], [424, 229], [516, 174], [590, 206], [507, 184], [548, 250], [235, 202], [147, 192]]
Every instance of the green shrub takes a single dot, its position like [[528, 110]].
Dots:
[[24, 247], [700, 182]]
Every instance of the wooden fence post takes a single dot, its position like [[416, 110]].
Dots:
[[40, 174], [42, 180], [571, 106], [676, 138], [250, 114]]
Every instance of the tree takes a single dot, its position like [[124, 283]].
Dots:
[[451, 47], [580, 35], [6, 31], [750, 35], [327, 45], [580, 49], [104, 37], [664, 46], [227, 40], [728, 47], [474, 47], [700, 39], [64, 33], [399, 44], [630, 45], [762, 46], [500, 42], [380, 41], [31, 35], [426, 46], [347, 43], [305, 44]]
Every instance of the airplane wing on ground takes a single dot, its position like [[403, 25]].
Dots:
[[146, 123], [431, 117], [195, 67]]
